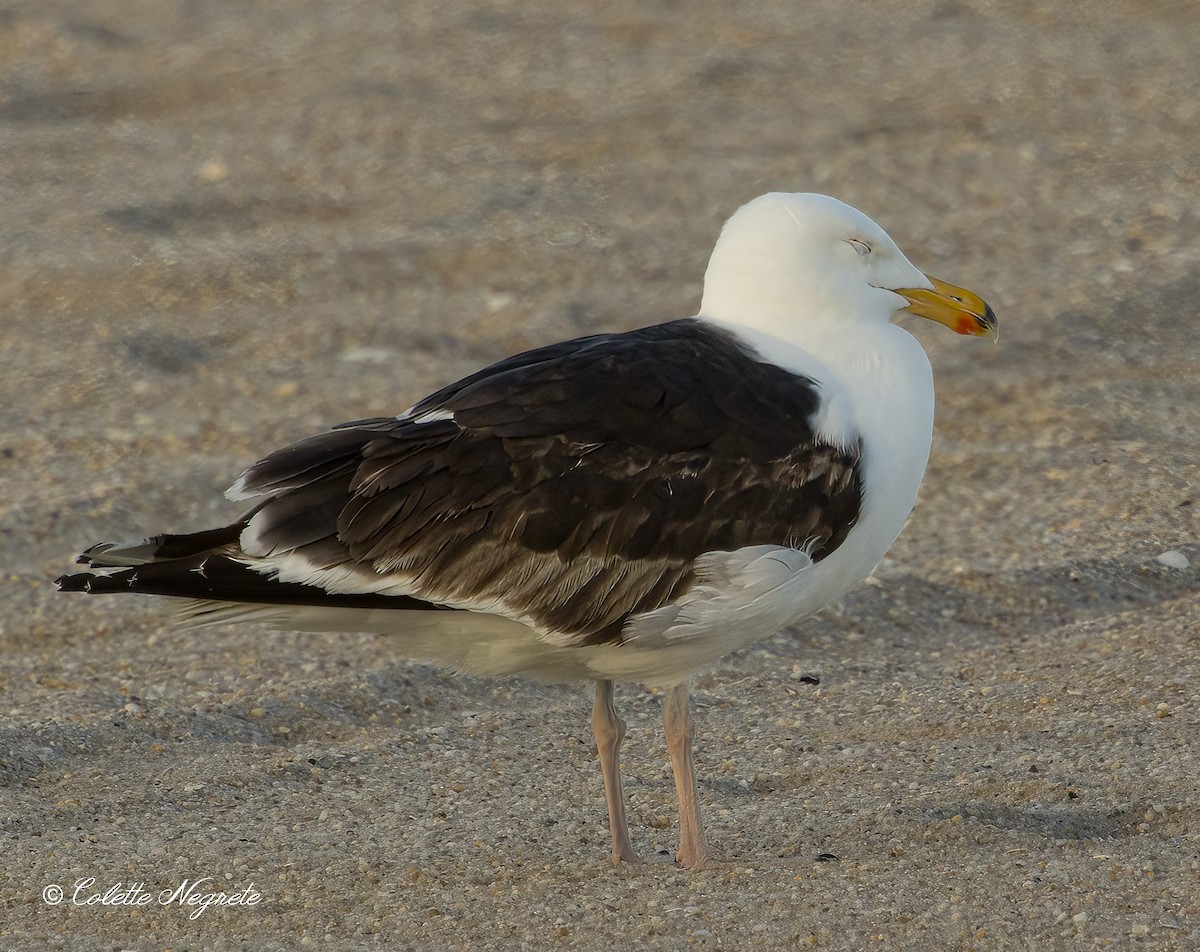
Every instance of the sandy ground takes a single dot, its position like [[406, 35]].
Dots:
[[226, 225]]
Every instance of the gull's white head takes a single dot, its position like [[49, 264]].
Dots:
[[803, 259]]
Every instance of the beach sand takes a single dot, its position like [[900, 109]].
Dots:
[[226, 226]]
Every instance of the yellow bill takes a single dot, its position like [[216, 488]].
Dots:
[[963, 311]]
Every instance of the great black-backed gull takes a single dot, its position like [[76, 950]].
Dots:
[[628, 506]]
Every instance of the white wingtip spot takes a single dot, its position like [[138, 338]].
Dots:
[[433, 415], [237, 492]]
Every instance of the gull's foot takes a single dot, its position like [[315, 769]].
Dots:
[[692, 859]]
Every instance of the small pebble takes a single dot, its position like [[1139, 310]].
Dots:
[[1173, 559]]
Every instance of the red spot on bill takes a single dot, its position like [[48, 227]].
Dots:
[[967, 324]]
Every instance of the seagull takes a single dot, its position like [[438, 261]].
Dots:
[[619, 507]]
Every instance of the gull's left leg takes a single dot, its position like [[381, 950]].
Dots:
[[680, 730], [610, 731]]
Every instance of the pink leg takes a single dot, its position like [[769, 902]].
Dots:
[[680, 729], [610, 732]]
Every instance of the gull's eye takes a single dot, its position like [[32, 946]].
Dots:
[[860, 246]]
